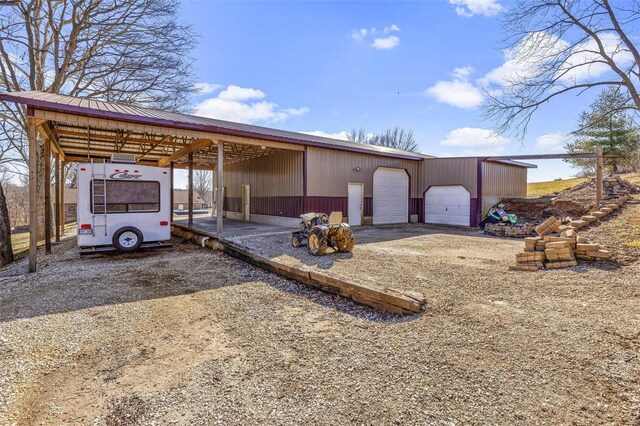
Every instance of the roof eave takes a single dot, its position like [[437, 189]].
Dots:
[[78, 110]]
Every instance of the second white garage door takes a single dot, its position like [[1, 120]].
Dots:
[[390, 196], [448, 205]]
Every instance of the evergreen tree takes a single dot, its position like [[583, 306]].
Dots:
[[605, 124]]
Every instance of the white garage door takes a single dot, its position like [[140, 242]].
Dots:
[[449, 205], [390, 196]]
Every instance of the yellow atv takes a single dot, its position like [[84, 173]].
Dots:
[[322, 231]]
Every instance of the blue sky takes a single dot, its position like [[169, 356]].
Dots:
[[328, 67]]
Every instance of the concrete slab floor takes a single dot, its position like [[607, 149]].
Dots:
[[231, 227]]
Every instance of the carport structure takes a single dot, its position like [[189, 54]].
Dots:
[[84, 130]]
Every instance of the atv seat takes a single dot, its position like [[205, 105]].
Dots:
[[335, 218]]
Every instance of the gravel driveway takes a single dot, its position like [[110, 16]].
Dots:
[[189, 336]]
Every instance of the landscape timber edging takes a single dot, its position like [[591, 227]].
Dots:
[[386, 299]]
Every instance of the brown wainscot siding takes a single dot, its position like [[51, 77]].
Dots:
[[275, 180]]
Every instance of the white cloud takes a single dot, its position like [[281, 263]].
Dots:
[[578, 66], [359, 34], [529, 58], [474, 141], [458, 92], [343, 135], [243, 104], [206, 88], [552, 142], [386, 43], [525, 60], [470, 8], [391, 28], [237, 93], [380, 39]]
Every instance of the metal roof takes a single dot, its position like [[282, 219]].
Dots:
[[101, 109]]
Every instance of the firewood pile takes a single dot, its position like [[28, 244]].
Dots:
[[558, 245]]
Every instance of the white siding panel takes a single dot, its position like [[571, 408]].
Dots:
[[390, 196], [447, 205]]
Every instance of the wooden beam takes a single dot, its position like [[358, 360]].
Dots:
[[193, 147], [155, 145], [190, 199], [47, 196], [599, 179], [63, 181], [171, 191], [220, 189], [123, 141], [112, 138], [72, 158], [585, 155], [47, 133], [33, 193], [241, 140], [56, 192]]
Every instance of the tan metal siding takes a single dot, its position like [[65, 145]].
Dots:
[[501, 181], [449, 171], [278, 174], [329, 171]]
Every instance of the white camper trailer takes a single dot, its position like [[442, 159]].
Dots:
[[122, 206]]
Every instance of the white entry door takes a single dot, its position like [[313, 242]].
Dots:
[[447, 205], [354, 207], [390, 196]]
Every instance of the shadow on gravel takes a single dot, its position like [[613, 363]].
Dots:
[[66, 283]]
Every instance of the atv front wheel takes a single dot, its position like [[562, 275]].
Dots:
[[317, 241], [345, 241], [295, 241]]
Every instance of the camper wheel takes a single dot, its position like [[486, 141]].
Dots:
[[127, 239]]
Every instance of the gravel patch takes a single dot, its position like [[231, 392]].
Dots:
[[188, 336]]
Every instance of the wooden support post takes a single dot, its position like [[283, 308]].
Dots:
[[171, 191], [599, 178], [213, 193], [47, 196], [56, 193], [220, 189], [63, 181], [33, 193], [190, 221]]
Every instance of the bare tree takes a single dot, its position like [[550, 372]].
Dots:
[[134, 52], [6, 251], [396, 137], [358, 135], [555, 47], [203, 184]]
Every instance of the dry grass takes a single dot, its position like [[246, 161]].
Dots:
[[20, 241], [539, 189]]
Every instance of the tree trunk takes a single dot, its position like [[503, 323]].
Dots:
[[6, 251], [42, 181]]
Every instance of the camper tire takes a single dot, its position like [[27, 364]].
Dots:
[[127, 239]]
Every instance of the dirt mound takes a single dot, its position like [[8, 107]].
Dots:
[[572, 202]]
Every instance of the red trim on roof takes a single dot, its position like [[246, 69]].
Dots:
[[133, 118]]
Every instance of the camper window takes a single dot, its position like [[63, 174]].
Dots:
[[124, 196]]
